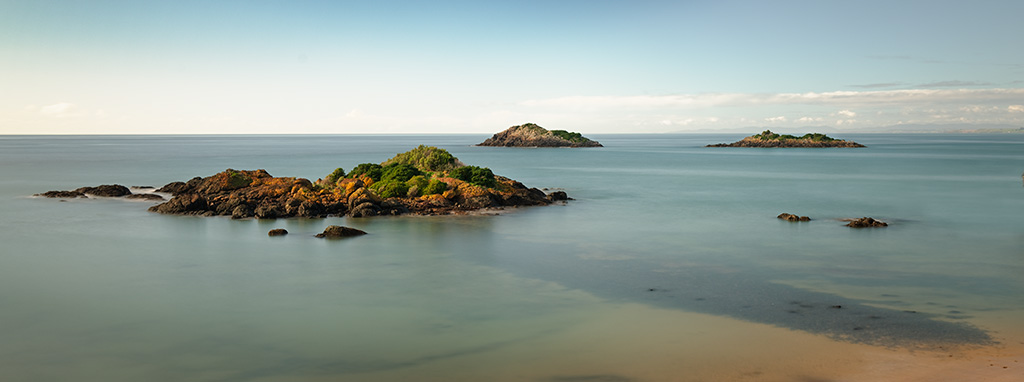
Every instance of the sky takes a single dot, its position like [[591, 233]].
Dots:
[[376, 67]]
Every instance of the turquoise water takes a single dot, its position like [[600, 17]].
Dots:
[[102, 290]]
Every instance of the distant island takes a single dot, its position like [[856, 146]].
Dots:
[[769, 139], [424, 181], [531, 135]]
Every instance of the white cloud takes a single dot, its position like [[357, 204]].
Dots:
[[58, 110], [776, 119], [846, 113], [810, 119], [848, 98], [1015, 108]]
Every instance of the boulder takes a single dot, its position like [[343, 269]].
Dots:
[[365, 210], [793, 218], [277, 232], [267, 212], [106, 190], [866, 222], [558, 196], [241, 211], [337, 231]]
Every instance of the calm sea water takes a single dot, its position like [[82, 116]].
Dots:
[[668, 265]]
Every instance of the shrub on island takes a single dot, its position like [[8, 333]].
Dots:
[[434, 187], [390, 189], [372, 170], [426, 158], [333, 178], [480, 176], [399, 172]]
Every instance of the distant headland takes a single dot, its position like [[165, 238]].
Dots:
[[769, 139], [423, 181], [531, 135]]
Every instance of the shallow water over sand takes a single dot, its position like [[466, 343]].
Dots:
[[669, 265]]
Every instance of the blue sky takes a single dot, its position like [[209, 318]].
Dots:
[[254, 67]]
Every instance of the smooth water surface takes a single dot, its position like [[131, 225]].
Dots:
[[668, 265]]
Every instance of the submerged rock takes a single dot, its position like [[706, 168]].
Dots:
[[337, 231], [866, 222], [62, 194], [793, 218]]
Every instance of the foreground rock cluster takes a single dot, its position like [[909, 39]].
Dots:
[[769, 139], [531, 135], [423, 181]]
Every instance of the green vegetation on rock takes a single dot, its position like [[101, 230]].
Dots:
[[338, 173], [434, 187], [481, 176], [237, 179], [426, 158], [768, 135], [569, 136], [390, 188], [399, 172], [372, 170]]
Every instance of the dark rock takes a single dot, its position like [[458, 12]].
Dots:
[[175, 188], [62, 194], [558, 196], [793, 218], [277, 232], [866, 222], [267, 212], [393, 206], [241, 211], [106, 190], [182, 204], [478, 202], [311, 209], [365, 209], [339, 231], [150, 197], [535, 194]]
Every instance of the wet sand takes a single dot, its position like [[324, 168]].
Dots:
[[634, 342]]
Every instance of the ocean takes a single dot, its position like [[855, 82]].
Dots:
[[668, 265]]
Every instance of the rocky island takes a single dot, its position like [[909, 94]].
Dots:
[[531, 135], [424, 181], [769, 139]]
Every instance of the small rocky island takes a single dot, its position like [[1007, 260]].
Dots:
[[531, 135], [770, 139], [424, 181]]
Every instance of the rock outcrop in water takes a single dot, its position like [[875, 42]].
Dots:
[[337, 231], [106, 191], [793, 218], [531, 135], [423, 181], [770, 139], [866, 222]]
